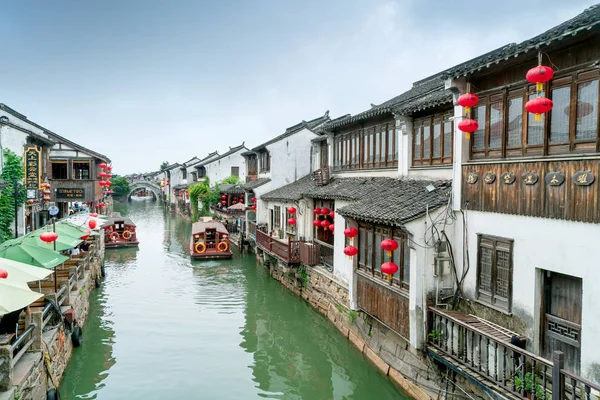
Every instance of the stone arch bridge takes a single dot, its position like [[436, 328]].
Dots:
[[148, 185]]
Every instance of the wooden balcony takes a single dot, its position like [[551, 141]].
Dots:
[[288, 252], [488, 354], [310, 253]]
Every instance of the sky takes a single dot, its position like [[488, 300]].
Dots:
[[146, 81]]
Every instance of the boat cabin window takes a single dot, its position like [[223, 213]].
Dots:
[[211, 235], [119, 225]]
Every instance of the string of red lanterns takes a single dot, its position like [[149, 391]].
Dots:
[[468, 101], [389, 268], [350, 250], [539, 75]]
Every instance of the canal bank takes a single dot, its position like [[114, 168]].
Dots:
[[32, 367], [163, 326]]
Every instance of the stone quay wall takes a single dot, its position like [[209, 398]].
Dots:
[[391, 354], [52, 346]]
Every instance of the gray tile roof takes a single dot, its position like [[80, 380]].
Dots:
[[231, 150], [387, 201], [234, 189], [313, 124], [397, 201], [254, 184], [582, 23]]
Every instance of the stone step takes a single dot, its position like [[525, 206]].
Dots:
[[25, 366]]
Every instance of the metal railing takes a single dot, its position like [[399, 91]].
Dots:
[[22, 344], [61, 296], [514, 369], [326, 255], [46, 315]]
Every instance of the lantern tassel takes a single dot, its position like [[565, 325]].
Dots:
[[539, 86], [390, 254], [468, 135], [390, 277], [537, 117], [467, 110]]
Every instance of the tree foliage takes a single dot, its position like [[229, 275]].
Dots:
[[202, 191], [164, 165], [12, 171], [120, 186], [231, 180]]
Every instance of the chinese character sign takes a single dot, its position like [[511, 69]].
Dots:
[[32, 160], [70, 193]]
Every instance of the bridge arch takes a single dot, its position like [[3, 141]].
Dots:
[[149, 186]]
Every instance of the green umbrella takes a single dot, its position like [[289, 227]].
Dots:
[[63, 242], [32, 255], [69, 229]]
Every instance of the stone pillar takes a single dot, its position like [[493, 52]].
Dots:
[[6, 371], [38, 320]]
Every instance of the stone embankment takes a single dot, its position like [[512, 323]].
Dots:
[[31, 368]]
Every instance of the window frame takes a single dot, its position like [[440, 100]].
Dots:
[[491, 298], [430, 121], [545, 148], [61, 162], [369, 233], [89, 169], [235, 171]]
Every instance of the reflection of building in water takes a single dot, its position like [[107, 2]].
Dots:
[[121, 256]]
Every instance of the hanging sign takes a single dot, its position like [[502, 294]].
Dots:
[[70, 193], [53, 210], [32, 160]]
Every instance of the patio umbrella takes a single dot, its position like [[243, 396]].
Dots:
[[237, 206], [70, 229], [63, 242], [32, 255], [21, 272], [15, 296]]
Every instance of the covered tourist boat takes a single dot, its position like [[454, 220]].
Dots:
[[119, 232], [209, 240]]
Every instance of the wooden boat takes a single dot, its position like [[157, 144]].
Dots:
[[209, 240], [119, 232]]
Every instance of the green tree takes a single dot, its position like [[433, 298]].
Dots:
[[203, 192], [164, 165], [120, 186], [231, 180], [12, 171]]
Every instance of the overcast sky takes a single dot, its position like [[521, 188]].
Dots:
[[146, 81]]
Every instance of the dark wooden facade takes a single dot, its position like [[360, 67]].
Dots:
[[388, 305], [528, 189]]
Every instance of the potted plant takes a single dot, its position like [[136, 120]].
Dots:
[[527, 384]]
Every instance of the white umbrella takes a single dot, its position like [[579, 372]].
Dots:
[[20, 272], [15, 296]]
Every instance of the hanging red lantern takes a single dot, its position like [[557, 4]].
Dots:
[[109, 175], [254, 199], [46, 198], [85, 235], [350, 232], [538, 106], [292, 221], [350, 251], [331, 227], [102, 174], [102, 183], [468, 126], [223, 196], [111, 191], [389, 245], [92, 223], [316, 223], [3, 274], [325, 224], [109, 167], [94, 215], [291, 210], [389, 268], [108, 183], [325, 211], [103, 204], [332, 214], [254, 208], [539, 75], [46, 192], [317, 211], [223, 202], [49, 237], [467, 101], [102, 165]]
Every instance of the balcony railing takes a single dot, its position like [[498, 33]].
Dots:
[[22, 344], [286, 251], [487, 350]]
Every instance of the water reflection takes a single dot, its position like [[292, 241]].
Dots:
[[126, 255]]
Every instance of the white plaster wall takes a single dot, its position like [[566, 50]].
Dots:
[[290, 158], [262, 215], [343, 265], [176, 179], [436, 173], [220, 169], [560, 246], [385, 173], [22, 123], [12, 139]]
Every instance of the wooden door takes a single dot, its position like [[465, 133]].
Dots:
[[562, 318]]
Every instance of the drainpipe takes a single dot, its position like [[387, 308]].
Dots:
[[424, 283]]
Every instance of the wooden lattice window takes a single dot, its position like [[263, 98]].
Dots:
[[495, 271], [276, 217]]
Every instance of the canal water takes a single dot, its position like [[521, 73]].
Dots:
[[164, 327]]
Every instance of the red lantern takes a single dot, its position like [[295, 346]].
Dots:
[[325, 211], [316, 223], [317, 211], [85, 235], [94, 215], [538, 106], [291, 210], [46, 198], [49, 237], [254, 208], [103, 204], [102, 174], [325, 224], [389, 268], [46, 192], [332, 214], [350, 232], [467, 101], [109, 167], [102, 183], [350, 251], [3, 274], [223, 202], [292, 221], [389, 245], [223, 196], [539, 75], [468, 126], [331, 228], [108, 183], [109, 175], [92, 223], [254, 199], [102, 165], [111, 191]]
